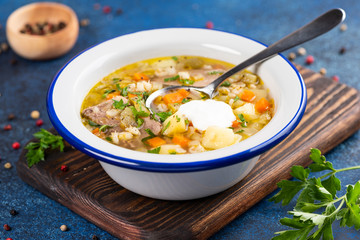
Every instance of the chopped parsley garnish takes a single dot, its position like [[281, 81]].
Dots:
[[236, 98], [93, 124], [103, 128], [174, 58], [185, 100], [226, 84], [119, 104], [115, 80], [107, 92], [138, 114], [170, 79], [109, 139], [166, 127], [215, 72], [155, 150], [242, 119], [187, 81], [163, 115], [240, 131]]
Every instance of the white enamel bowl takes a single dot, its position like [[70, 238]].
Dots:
[[174, 177]]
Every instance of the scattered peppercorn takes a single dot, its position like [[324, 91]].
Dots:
[[7, 127], [7, 165], [63, 228], [39, 122], [4, 46], [84, 22], [9, 239], [13, 212], [14, 61], [343, 27], [342, 50], [335, 78], [209, 25], [291, 56], [7, 227], [94, 237], [97, 6], [322, 71], [35, 114], [309, 60], [42, 28], [64, 168], [301, 51], [11, 116], [16, 145], [119, 11], [106, 9]]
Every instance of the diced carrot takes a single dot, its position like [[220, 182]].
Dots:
[[131, 95], [95, 131], [247, 95], [156, 142], [112, 95], [140, 77], [262, 105], [181, 140], [174, 97], [235, 124], [183, 92]]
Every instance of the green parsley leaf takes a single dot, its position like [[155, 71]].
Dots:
[[174, 58], [163, 115], [107, 92], [155, 150], [215, 72], [36, 150], [187, 81], [119, 104], [170, 79], [103, 128], [185, 100], [226, 84], [93, 124]]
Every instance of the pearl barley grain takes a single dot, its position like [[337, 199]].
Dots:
[[35, 114], [301, 51]]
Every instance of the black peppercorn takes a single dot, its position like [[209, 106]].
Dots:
[[13, 212], [94, 237]]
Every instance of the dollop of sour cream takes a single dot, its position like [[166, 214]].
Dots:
[[204, 114]]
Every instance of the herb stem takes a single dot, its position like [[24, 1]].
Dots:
[[340, 170]]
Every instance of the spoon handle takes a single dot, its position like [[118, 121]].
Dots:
[[317, 27]]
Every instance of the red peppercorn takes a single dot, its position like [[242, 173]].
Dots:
[[7, 127], [309, 60], [16, 145], [335, 78], [209, 25], [64, 168], [7, 227], [9, 239], [106, 9], [39, 122]]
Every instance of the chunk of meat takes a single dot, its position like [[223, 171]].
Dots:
[[98, 113], [151, 124]]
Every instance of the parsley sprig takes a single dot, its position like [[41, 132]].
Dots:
[[318, 205], [36, 150]]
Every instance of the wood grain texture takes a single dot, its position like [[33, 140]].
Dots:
[[331, 116]]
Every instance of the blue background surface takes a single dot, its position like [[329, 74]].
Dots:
[[23, 88]]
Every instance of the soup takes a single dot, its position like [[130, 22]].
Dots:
[[184, 121]]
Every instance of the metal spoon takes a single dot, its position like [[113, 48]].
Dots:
[[317, 27]]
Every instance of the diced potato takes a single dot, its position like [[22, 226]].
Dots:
[[164, 67], [249, 78], [171, 149], [127, 118], [174, 124], [217, 137], [248, 110], [259, 93]]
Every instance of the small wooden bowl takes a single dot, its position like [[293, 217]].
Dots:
[[42, 47]]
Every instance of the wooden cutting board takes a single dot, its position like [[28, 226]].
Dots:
[[331, 116]]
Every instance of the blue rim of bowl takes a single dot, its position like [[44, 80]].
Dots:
[[175, 167]]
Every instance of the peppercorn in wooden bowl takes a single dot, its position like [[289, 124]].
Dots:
[[41, 31]]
